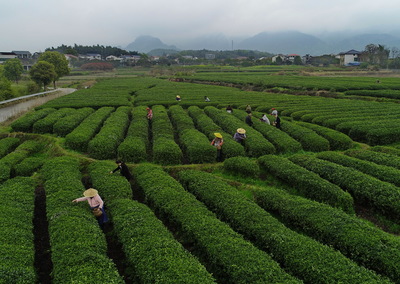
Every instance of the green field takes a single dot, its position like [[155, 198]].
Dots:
[[316, 201]]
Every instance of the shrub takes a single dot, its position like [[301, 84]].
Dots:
[[17, 251], [206, 125], [79, 138], [69, 122], [337, 140], [353, 237], [165, 150], [366, 190], [308, 138], [302, 256], [228, 256], [28, 166], [308, 183], [7, 145], [134, 147], [105, 144], [24, 124], [242, 166], [45, 125]]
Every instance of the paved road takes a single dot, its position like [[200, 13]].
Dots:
[[31, 101]]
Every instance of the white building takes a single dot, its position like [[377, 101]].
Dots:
[[350, 58]]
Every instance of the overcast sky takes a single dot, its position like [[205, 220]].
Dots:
[[36, 25]]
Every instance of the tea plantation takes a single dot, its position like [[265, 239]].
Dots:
[[314, 201]]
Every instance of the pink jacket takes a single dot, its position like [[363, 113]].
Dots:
[[93, 201]]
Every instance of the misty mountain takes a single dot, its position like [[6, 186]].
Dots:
[[147, 43], [288, 42]]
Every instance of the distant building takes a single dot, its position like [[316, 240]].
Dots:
[[350, 58], [210, 56], [23, 54], [90, 56], [6, 55]]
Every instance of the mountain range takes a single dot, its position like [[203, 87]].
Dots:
[[288, 42]]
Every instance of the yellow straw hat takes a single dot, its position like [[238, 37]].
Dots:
[[91, 192], [178, 97], [241, 131], [218, 135]]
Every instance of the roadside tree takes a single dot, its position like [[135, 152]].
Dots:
[[59, 62], [13, 69], [43, 73]]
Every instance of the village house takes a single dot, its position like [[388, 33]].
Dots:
[[349, 58], [6, 55]]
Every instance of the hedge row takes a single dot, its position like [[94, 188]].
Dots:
[[152, 253], [376, 157], [255, 144], [386, 149], [307, 183], [229, 257], [45, 125], [28, 166], [17, 251], [105, 144], [206, 125], [242, 166], [24, 124], [195, 145], [283, 142], [337, 140], [381, 172], [7, 145], [78, 246], [350, 235], [302, 256], [308, 138], [134, 147], [79, 138], [8, 162], [375, 133], [165, 150], [69, 122], [383, 196]]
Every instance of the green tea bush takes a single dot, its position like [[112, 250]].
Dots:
[[7, 145], [5, 172], [375, 157], [304, 257], [307, 183], [283, 142], [105, 144], [365, 189], [386, 149], [242, 166], [75, 236], [308, 138], [195, 145], [255, 144], [134, 147], [165, 150], [45, 125], [79, 138], [28, 166], [25, 123], [353, 237], [25, 149], [228, 256], [17, 250], [69, 122], [206, 125], [337, 140], [381, 172]]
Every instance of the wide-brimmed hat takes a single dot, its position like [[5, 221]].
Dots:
[[241, 130], [178, 96], [91, 192], [218, 135]]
